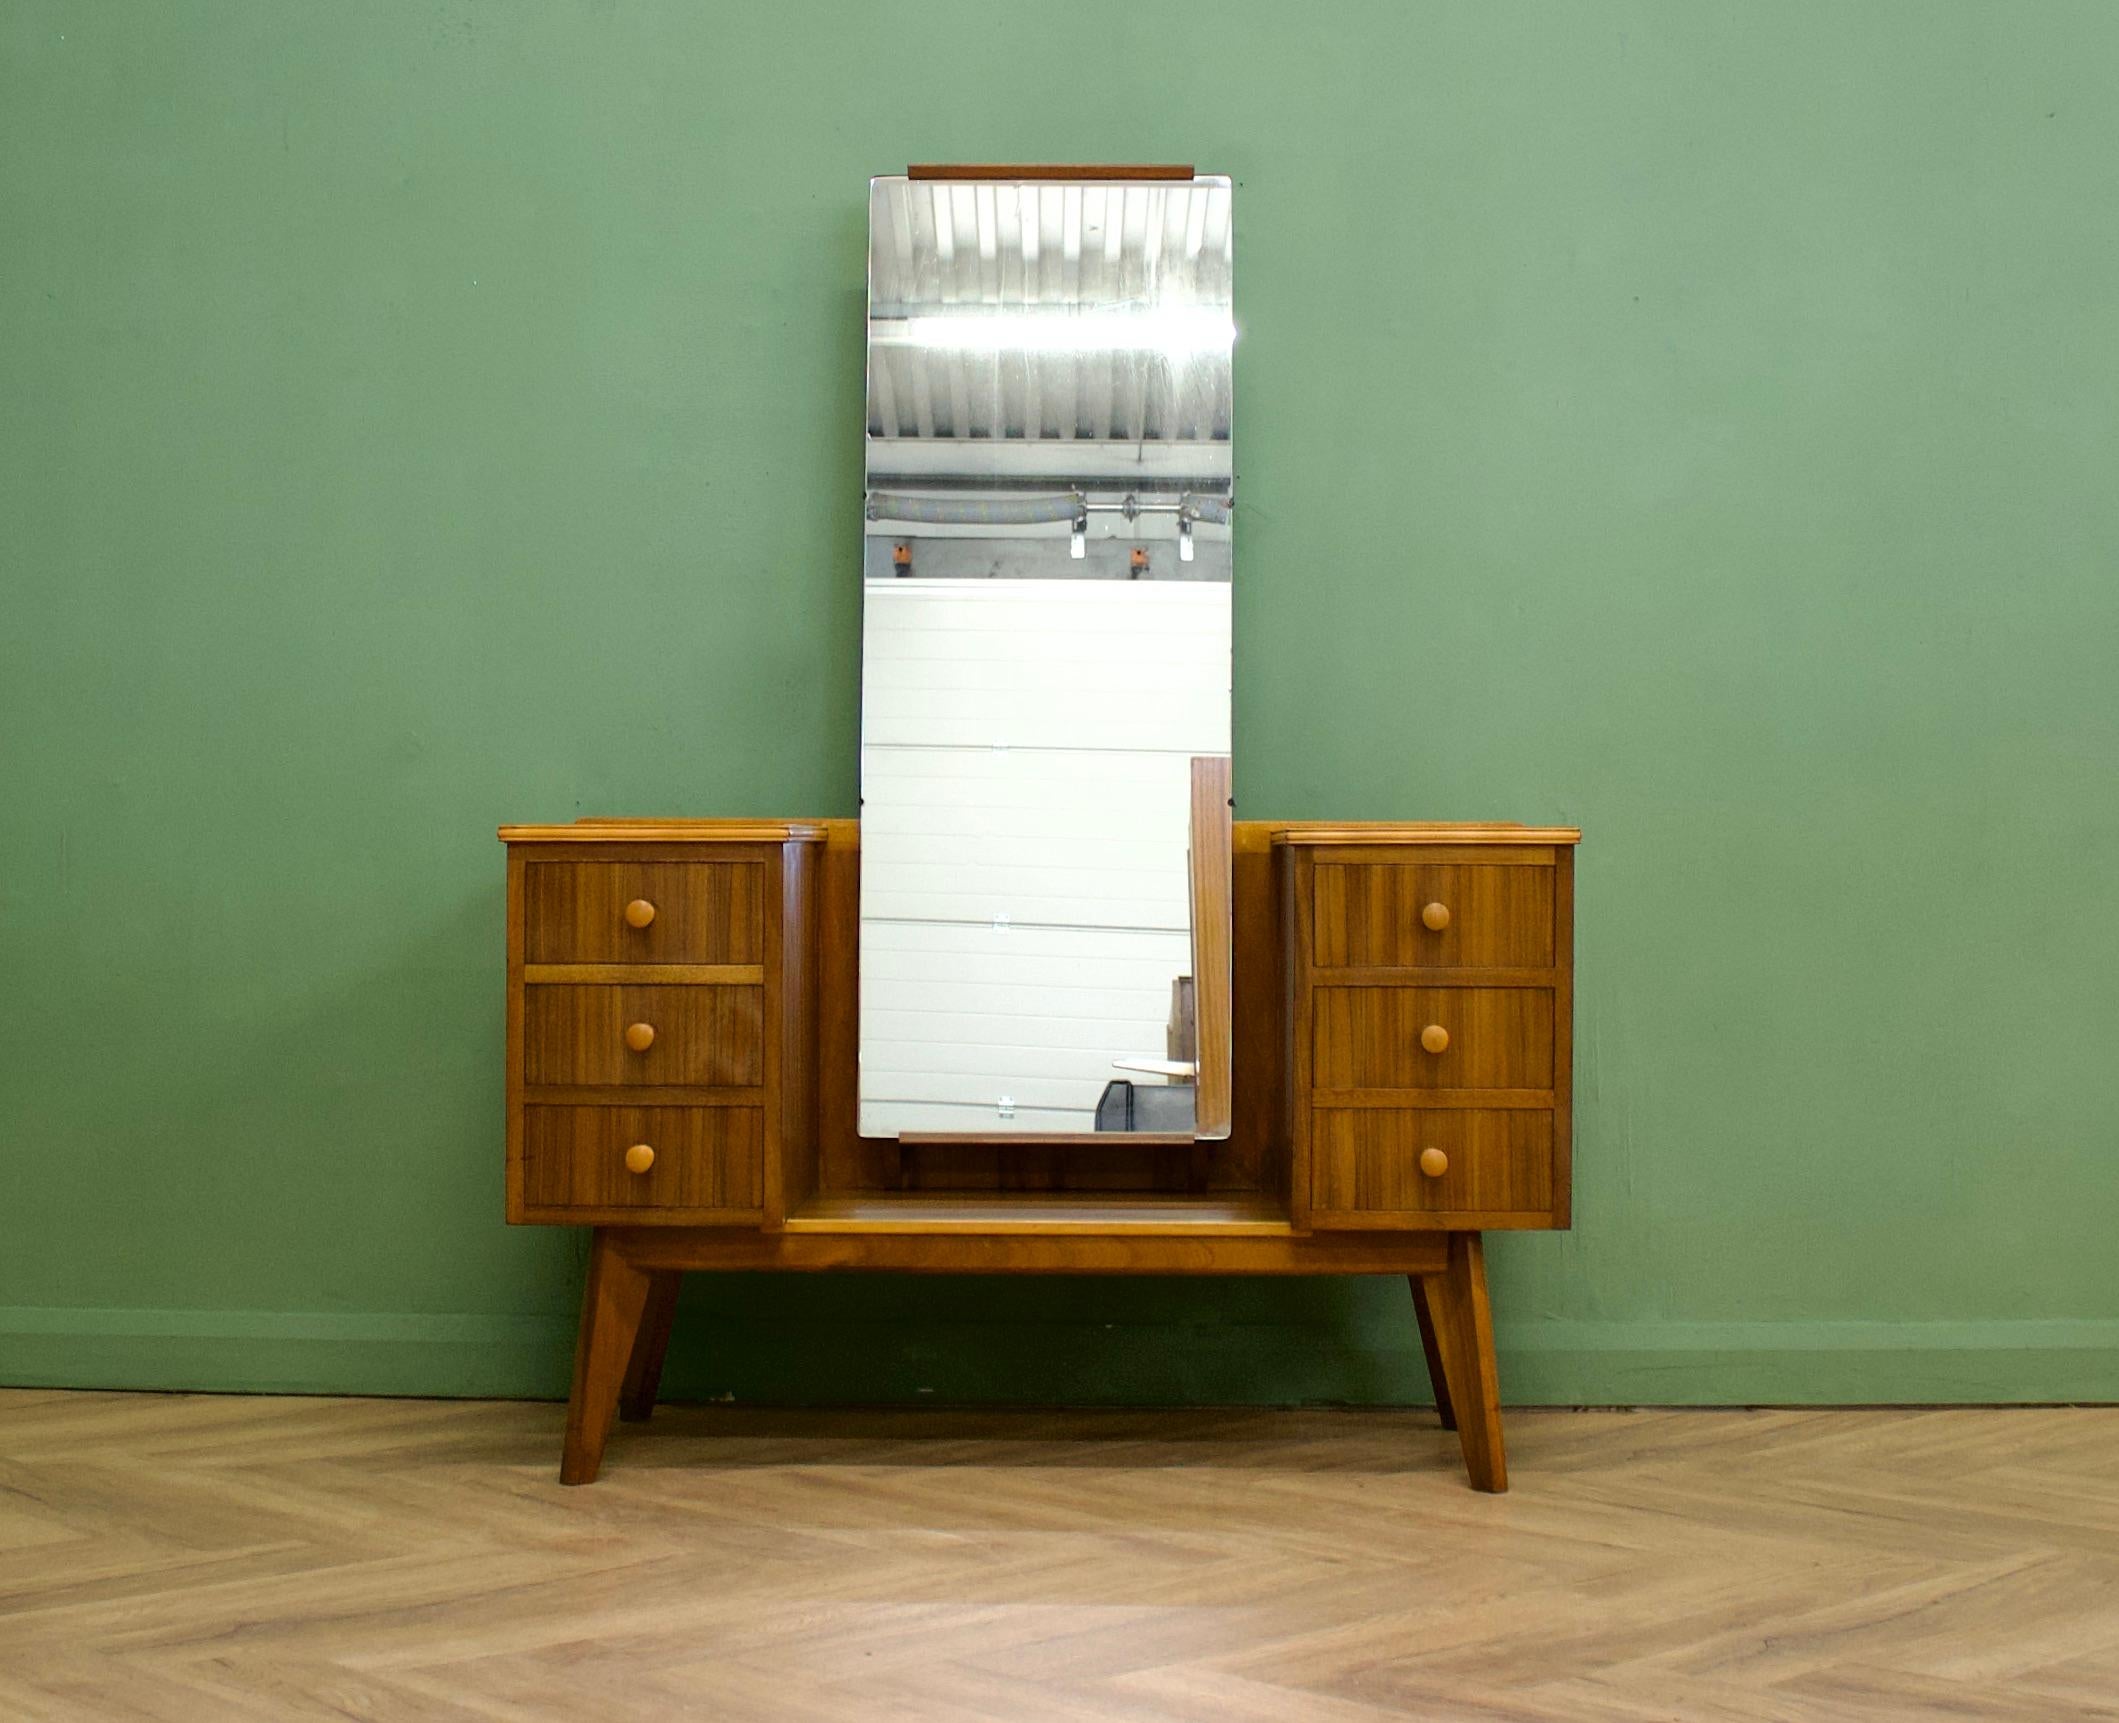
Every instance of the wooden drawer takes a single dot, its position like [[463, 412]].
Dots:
[[1371, 1038], [704, 1036], [1370, 914], [707, 1160], [704, 912], [1365, 1163]]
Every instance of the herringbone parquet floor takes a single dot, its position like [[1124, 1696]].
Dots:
[[190, 1557]]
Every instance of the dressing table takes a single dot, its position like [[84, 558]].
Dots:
[[911, 1042]]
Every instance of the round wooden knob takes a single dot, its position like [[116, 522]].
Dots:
[[640, 1036], [1435, 917], [1434, 1038], [639, 912], [639, 1158], [1434, 1163]]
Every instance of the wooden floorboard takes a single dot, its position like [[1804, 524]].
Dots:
[[185, 1556]]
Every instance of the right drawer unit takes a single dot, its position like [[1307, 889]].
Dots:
[[1432, 1004]]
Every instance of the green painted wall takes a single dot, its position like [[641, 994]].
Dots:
[[1692, 421]]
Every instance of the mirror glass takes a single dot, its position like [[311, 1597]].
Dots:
[[1045, 839]]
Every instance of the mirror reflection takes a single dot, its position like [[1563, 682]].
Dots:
[[1045, 686]]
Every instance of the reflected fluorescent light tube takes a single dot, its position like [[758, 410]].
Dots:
[[1200, 329]]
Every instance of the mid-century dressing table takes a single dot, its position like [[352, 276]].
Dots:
[[1045, 1008]]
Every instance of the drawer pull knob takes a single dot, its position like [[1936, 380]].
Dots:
[[1434, 1163], [639, 912], [1435, 917], [1435, 1038], [639, 1158], [640, 1036]]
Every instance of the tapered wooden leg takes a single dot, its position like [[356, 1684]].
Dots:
[[1437, 1376], [611, 1307], [643, 1376], [1464, 1334]]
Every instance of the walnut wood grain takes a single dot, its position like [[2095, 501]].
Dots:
[[1394, 834], [1373, 986], [793, 1155], [705, 911], [1044, 1215], [644, 974], [613, 1300], [1400, 1000], [1255, 1156], [1211, 886], [511, 1066], [966, 1251], [1091, 172], [1366, 1172], [1370, 914], [1431, 1350], [688, 832], [1563, 1072], [709, 1161], [1464, 1334], [1370, 1037], [643, 1373], [709, 1037], [1296, 992]]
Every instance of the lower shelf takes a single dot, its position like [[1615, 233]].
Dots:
[[1043, 1214]]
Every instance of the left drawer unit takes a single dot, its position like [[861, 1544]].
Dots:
[[661, 1016]]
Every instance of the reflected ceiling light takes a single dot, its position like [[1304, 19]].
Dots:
[[1190, 329]]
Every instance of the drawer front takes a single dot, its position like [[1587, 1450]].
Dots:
[[1371, 1038], [704, 1158], [712, 1037], [703, 912], [1377, 913], [1379, 1161]]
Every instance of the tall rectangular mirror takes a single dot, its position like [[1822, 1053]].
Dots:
[[1045, 802]]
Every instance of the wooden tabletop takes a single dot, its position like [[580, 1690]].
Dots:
[[610, 830], [1426, 832], [621, 831]]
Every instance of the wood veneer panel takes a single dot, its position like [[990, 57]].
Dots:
[[1255, 1157], [1212, 906], [645, 974], [1563, 1057], [1091, 172], [1370, 1037], [643, 1374], [1365, 1165], [1370, 915], [847, 1160], [707, 1159], [705, 911], [710, 1037], [1295, 1037], [966, 1252], [653, 1095], [612, 1303], [511, 1100], [603, 833], [796, 1135], [1420, 834], [1464, 1337], [1246, 1215]]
